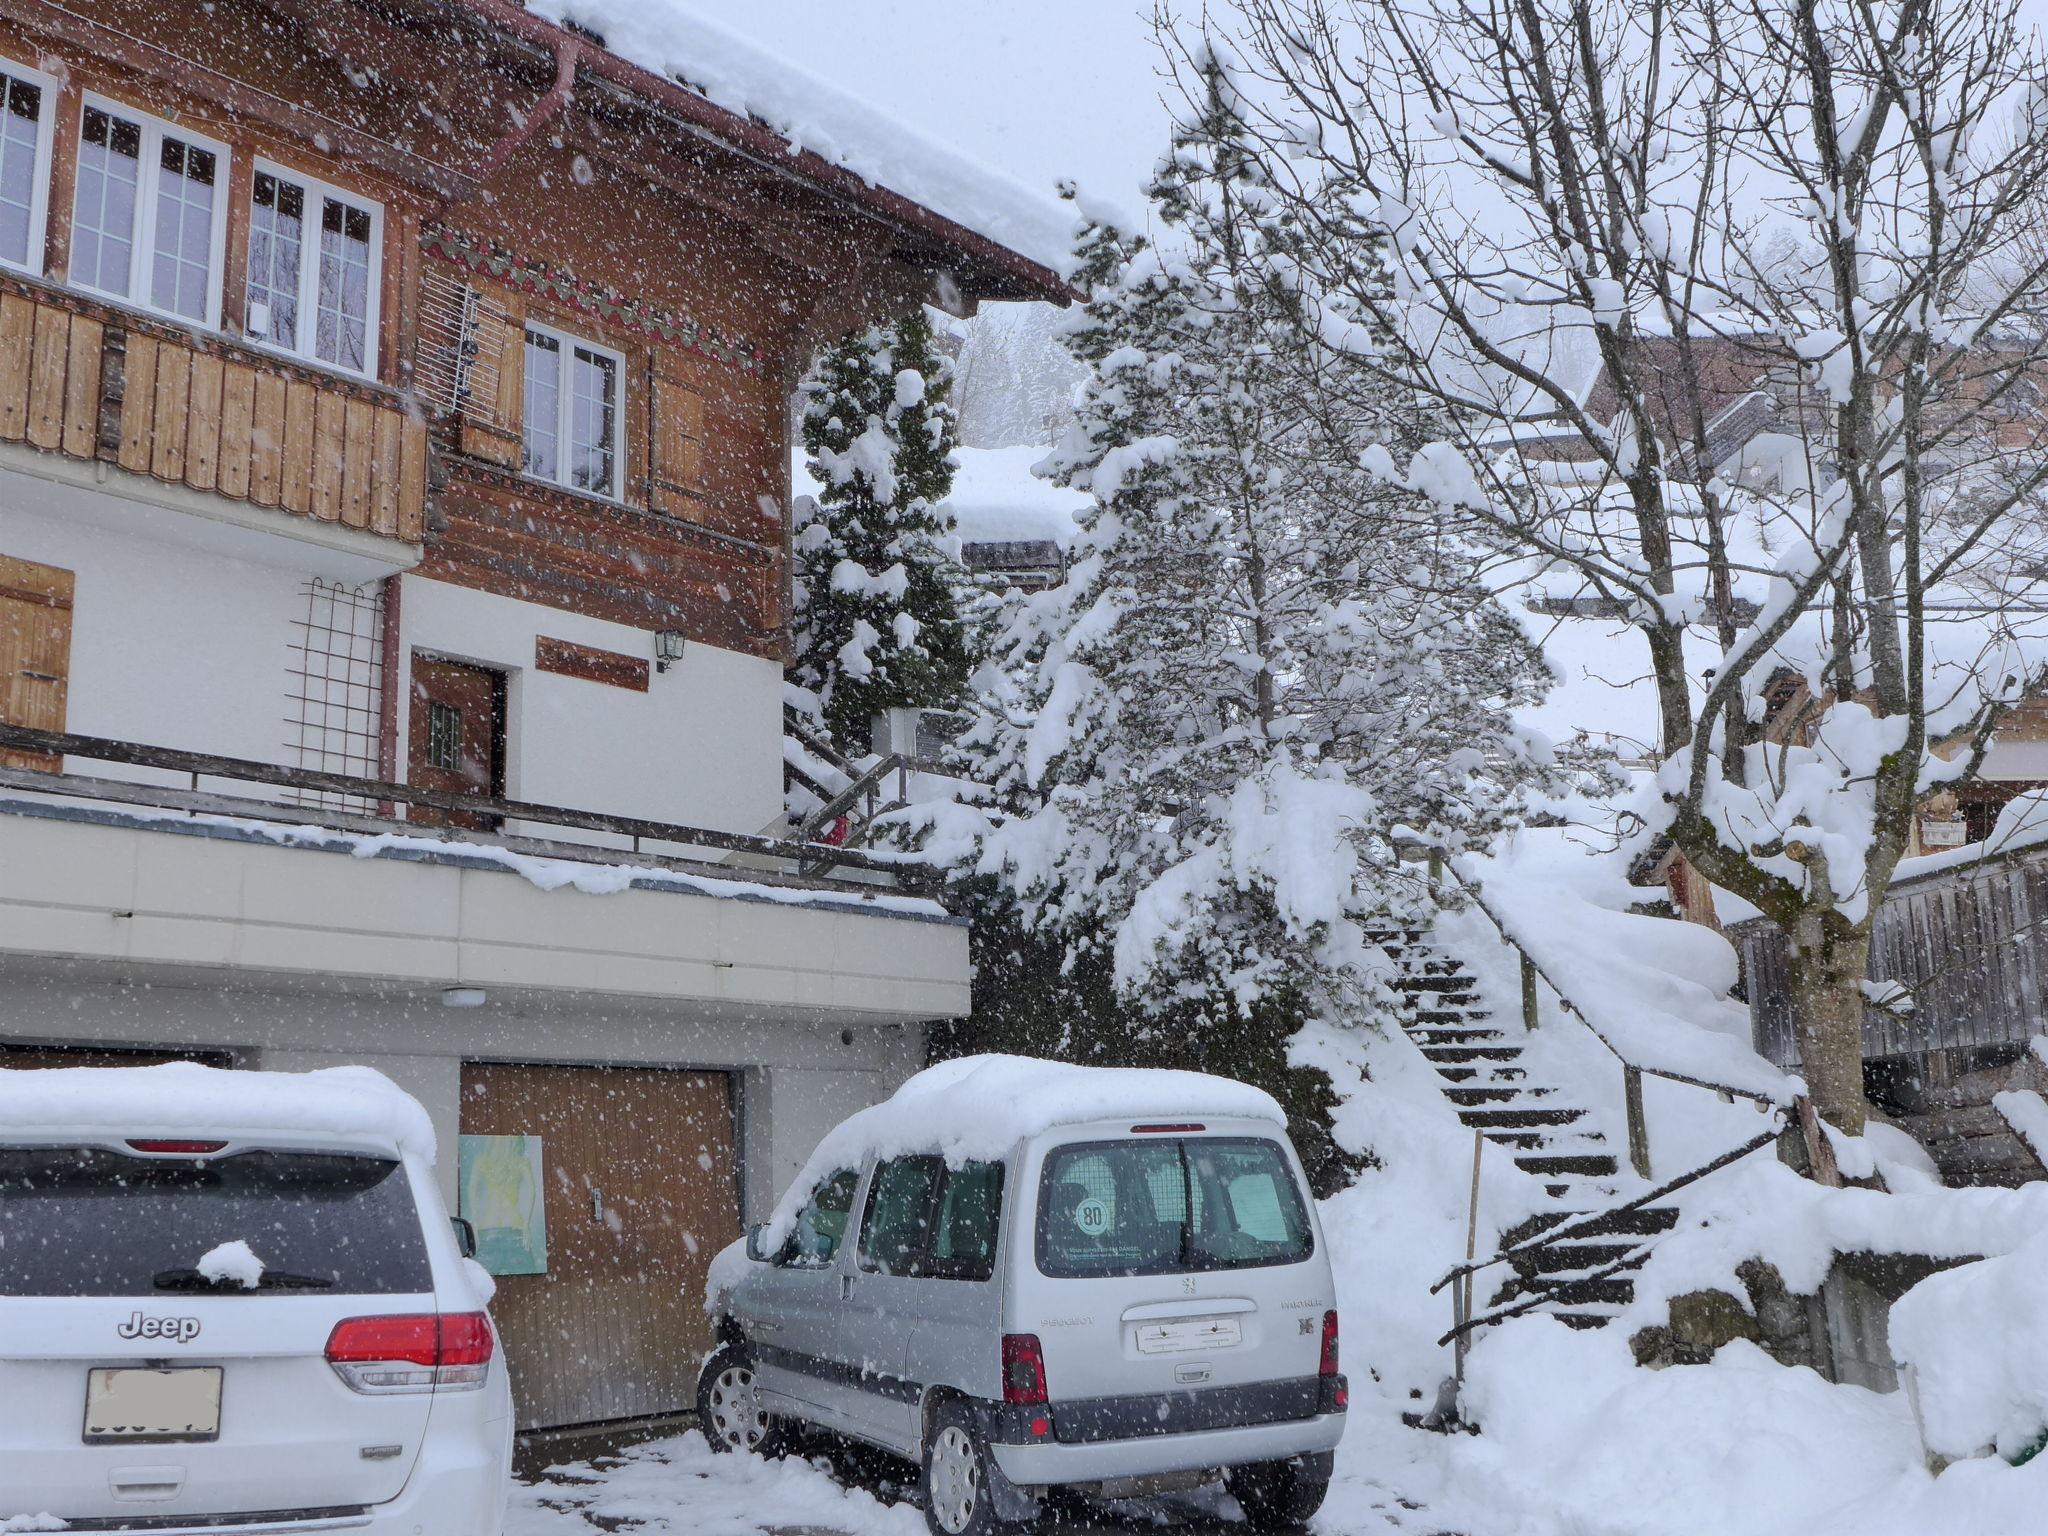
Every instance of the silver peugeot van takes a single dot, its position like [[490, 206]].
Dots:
[[1032, 1277]]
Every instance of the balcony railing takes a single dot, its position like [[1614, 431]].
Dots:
[[96, 383], [753, 859]]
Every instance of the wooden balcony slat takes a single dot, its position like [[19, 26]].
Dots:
[[358, 450], [237, 424], [266, 441], [202, 422], [17, 338], [138, 404], [82, 388], [298, 447], [173, 400], [385, 471], [330, 426], [412, 481], [46, 371]]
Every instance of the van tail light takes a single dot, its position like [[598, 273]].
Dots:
[[412, 1352], [1328, 1367], [1333, 1394], [1023, 1370]]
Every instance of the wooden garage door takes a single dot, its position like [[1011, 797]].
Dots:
[[641, 1186]]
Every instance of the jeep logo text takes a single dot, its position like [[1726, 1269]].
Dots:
[[182, 1330]]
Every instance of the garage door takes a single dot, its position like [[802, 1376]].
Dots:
[[29, 1056], [640, 1192]]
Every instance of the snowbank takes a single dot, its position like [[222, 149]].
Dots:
[[1656, 990], [182, 1100], [1976, 1341], [978, 1107], [996, 499], [671, 39]]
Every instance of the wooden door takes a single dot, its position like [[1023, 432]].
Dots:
[[35, 653], [456, 740], [641, 1193]]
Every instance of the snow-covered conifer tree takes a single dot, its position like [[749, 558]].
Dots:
[[876, 624], [1258, 670]]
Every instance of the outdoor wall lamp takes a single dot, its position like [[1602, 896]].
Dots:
[[668, 648]]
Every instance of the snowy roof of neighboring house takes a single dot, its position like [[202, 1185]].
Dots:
[[995, 497], [663, 50], [358, 1106]]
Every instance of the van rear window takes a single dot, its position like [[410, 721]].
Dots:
[[88, 1221], [1167, 1206]]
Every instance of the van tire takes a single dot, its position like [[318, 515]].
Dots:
[[724, 1406], [1277, 1494], [957, 1471]]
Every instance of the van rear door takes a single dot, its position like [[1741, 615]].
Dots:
[[133, 1387], [1172, 1261]]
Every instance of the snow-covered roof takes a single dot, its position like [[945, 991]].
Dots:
[[822, 127], [996, 499], [975, 1109], [358, 1106]]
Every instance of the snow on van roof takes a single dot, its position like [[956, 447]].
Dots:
[[185, 1100], [977, 1108]]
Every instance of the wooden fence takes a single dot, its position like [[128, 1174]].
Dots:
[[1969, 945], [96, 383]]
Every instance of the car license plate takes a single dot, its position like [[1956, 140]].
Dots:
[[1184, 1334], [136, 1403]]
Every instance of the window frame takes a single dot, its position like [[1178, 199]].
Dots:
[[924, 1263], [565, 401], [316, 190], [39, 196], [142, 246]]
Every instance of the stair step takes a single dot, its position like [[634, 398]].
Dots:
[[1455, 1073], [1569, 1256], [1449, 1018], [1526, 1141], [1520, 1117], [1586, 1317], [1439, 1035], [1449, 983], [1616, 1290], [1569, 1162], [1465, 1094], [1465, 1053]]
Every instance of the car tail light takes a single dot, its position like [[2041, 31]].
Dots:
[[412, 1352], [181, 1148], [1328, 1367], [1023, 1369]]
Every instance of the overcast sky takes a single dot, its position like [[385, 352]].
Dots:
[[1044, 89]]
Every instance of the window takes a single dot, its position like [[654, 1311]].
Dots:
[[1162, 1206], [24, 165], [444, 736], [571, 412], [85, 1221], [313, 265], [926, 1219], [150, 215], [893, 1232], [820, 1226]]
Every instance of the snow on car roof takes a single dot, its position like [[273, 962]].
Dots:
[[976, 1108], [185, 1100]]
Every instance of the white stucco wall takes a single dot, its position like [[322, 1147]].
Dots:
[[703, 745]]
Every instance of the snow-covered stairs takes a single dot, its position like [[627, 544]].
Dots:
[[1483, 1073]]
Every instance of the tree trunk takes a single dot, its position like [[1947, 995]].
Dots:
[[1827, 965]]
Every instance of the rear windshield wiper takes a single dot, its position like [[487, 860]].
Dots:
[[272, 1280]]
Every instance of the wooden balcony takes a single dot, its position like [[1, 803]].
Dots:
[[96, 383]]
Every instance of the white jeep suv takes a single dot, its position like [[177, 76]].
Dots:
[[233, 1302]]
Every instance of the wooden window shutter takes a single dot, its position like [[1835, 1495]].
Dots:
[[35, 653], [494, 435], [678, 467]]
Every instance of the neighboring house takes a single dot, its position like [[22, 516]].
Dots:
[[393, 556]]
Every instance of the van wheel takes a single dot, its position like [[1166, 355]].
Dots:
[[731, 1415], [1277, 1494], [956, 1477]]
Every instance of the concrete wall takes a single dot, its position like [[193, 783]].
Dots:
[[703, 746]]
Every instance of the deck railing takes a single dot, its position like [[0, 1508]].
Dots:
[[755, 859]]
